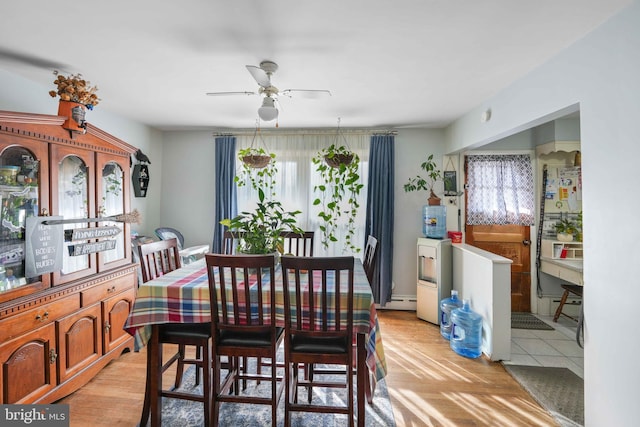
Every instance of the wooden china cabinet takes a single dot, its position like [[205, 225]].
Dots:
[[59, 328]]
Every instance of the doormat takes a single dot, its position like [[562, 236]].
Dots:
[[558, 390], [528, 321]]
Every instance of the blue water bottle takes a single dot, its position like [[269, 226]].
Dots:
[[466, 331], [447, 305], [434, 221]]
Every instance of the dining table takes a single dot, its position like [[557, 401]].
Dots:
[[182, 296]]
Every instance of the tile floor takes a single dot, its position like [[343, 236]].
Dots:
[[557, 348]]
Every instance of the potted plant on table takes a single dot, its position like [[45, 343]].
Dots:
[[259, 231], [565, 230]]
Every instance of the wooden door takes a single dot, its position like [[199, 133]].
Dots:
[[513, 242]]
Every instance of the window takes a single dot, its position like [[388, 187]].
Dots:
[[297, 177], [500, 189]]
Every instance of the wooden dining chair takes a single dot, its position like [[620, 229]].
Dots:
[[230, 241], [156, 259], [370, 257], [243, 324], [318, 309], [299, 244]]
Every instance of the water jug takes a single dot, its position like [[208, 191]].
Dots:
[[466, 331], [447, 305], [434, 221]]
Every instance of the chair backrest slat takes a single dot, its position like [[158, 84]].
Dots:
[[230, 241], [325, 304], [298, 244], [241, 291], [158, 258]]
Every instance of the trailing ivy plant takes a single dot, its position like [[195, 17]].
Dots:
[[260, 178], [338, 193]]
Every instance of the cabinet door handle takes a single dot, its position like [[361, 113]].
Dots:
[[52, 356], [111, 290], [42, 318], [107, 327]]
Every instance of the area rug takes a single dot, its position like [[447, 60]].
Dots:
[[528, 321], [183, 413], [558, 390]]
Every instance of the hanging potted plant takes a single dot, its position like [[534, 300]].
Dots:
[[75, 94], [418, 182], [259, 178], [338, 167]]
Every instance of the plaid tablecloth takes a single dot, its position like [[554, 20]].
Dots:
[[182, 296]]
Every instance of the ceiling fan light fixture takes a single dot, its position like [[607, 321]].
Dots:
[[268, 111]]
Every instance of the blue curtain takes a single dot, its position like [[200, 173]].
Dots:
[[379, 222], [226, 199]]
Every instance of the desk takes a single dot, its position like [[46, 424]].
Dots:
[[182, 296], [565, 269]]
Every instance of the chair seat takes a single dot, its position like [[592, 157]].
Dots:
[[170, 332], [247, 339], [331, 345]]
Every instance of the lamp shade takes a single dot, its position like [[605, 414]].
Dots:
[[268, 111]]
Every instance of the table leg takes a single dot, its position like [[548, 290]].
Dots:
[[154, 369], [362, 383]]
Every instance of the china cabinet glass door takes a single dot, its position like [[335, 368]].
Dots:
[[73, 173], [113, 195], [19, 199]]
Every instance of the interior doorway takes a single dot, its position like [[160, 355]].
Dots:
[[500, 208]]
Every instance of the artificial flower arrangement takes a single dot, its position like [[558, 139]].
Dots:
[[75, 89]]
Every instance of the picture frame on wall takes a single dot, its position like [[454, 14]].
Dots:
[[450, 183]]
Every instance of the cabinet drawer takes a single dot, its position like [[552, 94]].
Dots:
[[106, 290], [563, 273], [39, 316]]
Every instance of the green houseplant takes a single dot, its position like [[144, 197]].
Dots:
[[565, 230], [260, 230], [258, 169], [338, 167], [433, 175]]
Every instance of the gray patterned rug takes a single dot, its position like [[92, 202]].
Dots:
[[558, 390], [183, 413], [521, 320]]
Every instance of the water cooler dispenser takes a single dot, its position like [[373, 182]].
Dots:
[[434, 279]]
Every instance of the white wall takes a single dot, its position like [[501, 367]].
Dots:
[[600, 73], [188, 185], [412, 147]]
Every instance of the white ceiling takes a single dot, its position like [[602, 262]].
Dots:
[[400, 63]]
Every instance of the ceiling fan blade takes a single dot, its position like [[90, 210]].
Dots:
[[259, 75], [307, 93], [34, 61], [230, 93]]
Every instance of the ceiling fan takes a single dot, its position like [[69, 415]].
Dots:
[[262, 75]]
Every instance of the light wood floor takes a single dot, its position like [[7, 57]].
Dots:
[[429, 385]]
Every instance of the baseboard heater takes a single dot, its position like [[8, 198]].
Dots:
[[400, 302]]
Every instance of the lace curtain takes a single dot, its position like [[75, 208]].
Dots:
[[297, 178], [500, 190]]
